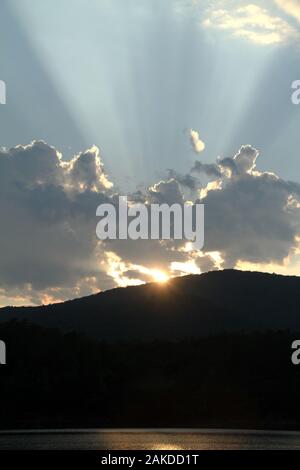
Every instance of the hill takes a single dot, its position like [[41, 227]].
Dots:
[[189, 306]]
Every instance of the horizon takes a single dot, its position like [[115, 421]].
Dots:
[[162, 285]]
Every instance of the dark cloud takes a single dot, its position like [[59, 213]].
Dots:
[[166, 192], [49, 249], [187, 180], [47, 210], [243, 162], [209, 169], [249, 215], [227, 164], [48, 220]]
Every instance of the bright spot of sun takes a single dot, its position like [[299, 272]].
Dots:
[[159, 276]]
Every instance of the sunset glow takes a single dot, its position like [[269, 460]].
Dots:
[[160, 276]]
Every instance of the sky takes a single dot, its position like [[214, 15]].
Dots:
[[172, 100]]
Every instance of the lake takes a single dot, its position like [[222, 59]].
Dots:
[[149, 439]]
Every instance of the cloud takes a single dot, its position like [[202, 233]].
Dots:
[[47, 208], [48, 244], [187, 180], [86, 171], [291, 7], [257, 213], [243, 162], [252, 23], [166, 192], [49, 249], [197, 143], [210, 169], [187, 268]]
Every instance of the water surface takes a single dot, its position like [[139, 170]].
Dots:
[[152, 439]]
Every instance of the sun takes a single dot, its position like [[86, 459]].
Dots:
[[159, 276]]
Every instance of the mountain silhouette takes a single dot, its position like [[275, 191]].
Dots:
[[209, 350], [190, 306]]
